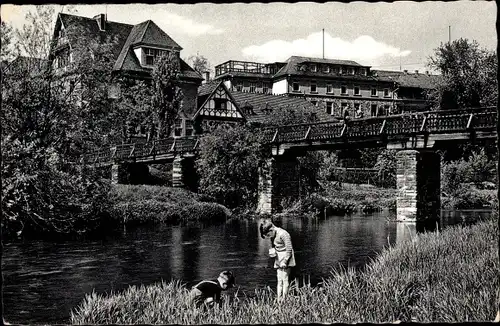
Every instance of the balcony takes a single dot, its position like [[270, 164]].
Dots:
[[247, 67]]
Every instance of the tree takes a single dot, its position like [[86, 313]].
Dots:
[[226, 165], [199, 63], [33, 40], [48, 122], [470, 74], [166, 94], [7, 52]]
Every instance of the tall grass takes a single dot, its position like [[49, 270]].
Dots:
[[449, 277], [136, 204]]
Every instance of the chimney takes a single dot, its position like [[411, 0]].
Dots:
[[416, 71], [101, 21], [207, 76]]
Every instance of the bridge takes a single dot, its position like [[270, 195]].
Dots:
[[416, 136]]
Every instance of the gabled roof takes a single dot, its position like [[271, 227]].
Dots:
[[293, 63], [83, 28], [125, 37], [149, 33], [210, 91], [405, 79]]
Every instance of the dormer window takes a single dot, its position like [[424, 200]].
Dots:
[[351, 71], [152, 55], [314, 68], [326, 69]]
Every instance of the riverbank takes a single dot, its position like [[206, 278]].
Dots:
[[450, 276], [139, 204]]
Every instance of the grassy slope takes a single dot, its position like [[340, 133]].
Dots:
[[142, 203], [450, 277]]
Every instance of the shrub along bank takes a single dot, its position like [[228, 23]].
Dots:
[[436, 277], [137, 204]]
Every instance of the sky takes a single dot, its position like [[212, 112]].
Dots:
[[388, 36]]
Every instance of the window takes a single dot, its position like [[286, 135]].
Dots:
[[313, 87], [386, 92], [265, 88], [63, 59], [152, 55], [362, 71], [356, 90], [239, 87], [329, 88], [252, 87], [351, 71], [314, 68], [326, 69], [386, 109], [178, 128], [220, 104], [295, 87], [343, 90], [342, 70], [373, 110], [374, 92], [189, 128], [329, 106]]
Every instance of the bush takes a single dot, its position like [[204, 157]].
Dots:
[[469, 198], [386, 168]]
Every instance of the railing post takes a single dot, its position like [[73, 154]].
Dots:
[[275, 135], [132, 150], [424, 123], [469, 122], [382, 129], [344, 129], [307, 132], [172, 149]]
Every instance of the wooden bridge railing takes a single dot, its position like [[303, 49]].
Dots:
[[404, 124]]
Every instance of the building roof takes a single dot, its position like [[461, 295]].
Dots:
[[405, 79], [260, 102], [293, 64], [124, 37]]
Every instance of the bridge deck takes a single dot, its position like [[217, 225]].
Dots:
[[438, 125]]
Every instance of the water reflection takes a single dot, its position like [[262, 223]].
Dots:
[[44, 280]]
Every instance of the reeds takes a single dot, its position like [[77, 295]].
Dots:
[[449, 277]]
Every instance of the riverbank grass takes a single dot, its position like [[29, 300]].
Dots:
[[450, 276], [139, 204]]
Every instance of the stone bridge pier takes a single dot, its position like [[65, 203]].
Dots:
[[279, 179], [184, 173], [418, 183]]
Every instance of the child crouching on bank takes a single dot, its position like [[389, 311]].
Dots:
[[208, 292]]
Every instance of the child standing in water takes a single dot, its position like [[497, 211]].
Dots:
[[284, 258]]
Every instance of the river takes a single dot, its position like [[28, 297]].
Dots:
[[44, 280]]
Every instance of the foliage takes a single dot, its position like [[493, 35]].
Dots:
[[45, 130], [166, 94], [199, 63], [6, 33], [477, 168], [386, 168], [327, 170], [227, 165], [136, 204], [470, 74], [34, 39], [416, 280]]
